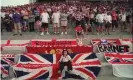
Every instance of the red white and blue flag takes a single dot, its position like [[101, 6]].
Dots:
[[7, 60], [45, 66], [109, 41], [119, 58]]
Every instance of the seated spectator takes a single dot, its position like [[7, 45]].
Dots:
[[65, 60]]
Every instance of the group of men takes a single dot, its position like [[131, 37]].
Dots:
[[95, 17]]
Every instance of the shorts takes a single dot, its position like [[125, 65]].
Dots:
[[56, 25], [92, 21], [100, 24], [37, 18], [64, 23], [44, 25], [86, 19], [114, 23], [79, 33], [107, 25]]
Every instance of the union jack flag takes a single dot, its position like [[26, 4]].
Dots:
[[119, 58], [45, 66], [6, 61]]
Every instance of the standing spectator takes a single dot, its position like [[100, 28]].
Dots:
[[45, 21], [31, 21], [100, 22], [92, 21], [56, 21], [25, 19], [123, 21], [64, 21], [37, 15], [7, 21], [114, 20], [17, 23], [78, 18], [108, 22]]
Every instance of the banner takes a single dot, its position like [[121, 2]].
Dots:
[[110, 45], [14, 45], [58, 50], [4, 71], [46, 66], [122, 63], [54, 42], [7, 60]]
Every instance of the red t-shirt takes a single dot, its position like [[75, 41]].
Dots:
[[114, 16], [78, 29]]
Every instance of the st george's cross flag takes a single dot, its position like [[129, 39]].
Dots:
[[122, 63], [7, 60], [46, 66]]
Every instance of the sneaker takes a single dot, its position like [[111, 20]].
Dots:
[[20, 34], [57, 32], [15, 34], [66, 33], [42, 34], [54, 32], [47, 33], [62, 33]]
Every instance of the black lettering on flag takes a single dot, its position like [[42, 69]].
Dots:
[[101, 48], [115, 48]]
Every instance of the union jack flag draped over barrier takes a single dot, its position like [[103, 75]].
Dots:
[[43, 66], [122, 64], [6, 61], [117, 58]]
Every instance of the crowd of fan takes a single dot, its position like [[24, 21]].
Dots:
[[100, 18]]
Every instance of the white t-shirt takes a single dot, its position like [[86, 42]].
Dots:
[[44, 17], [3, 14], [65, 59], [56, 17], [123, 17], [100, 18], [108, 18]]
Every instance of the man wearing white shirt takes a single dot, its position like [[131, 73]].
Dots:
[[44, 20], [108, 22], [56, 21], [123, 21], [100, 21]]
